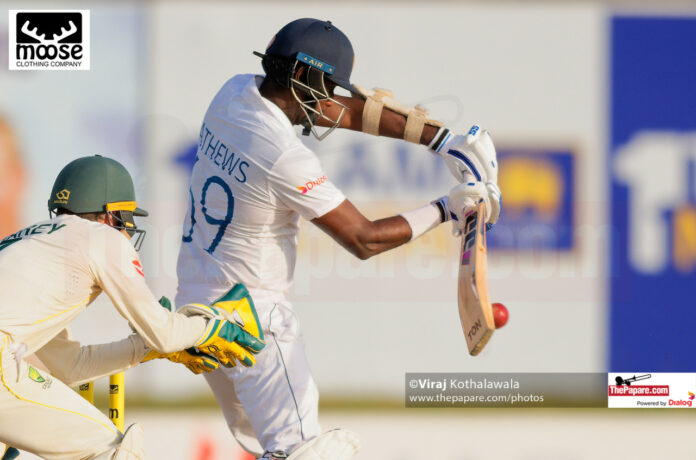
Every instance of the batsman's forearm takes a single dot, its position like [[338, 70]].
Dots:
[[387, 234], [366, 239], [391, 124]]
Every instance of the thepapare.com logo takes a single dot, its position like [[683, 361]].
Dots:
[[49, 40]]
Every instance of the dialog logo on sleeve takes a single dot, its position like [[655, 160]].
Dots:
[[309, 185], [49, 40]]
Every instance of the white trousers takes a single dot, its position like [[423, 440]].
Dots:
[[42, 415], [272, 405]]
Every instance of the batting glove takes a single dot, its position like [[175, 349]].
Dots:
[[464, 197], [473, 153]]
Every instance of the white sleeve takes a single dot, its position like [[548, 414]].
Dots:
[[298, 180], [118, 271], [74, 364]]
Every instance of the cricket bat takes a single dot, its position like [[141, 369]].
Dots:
[[475, 311]]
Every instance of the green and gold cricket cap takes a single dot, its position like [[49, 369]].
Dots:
[[94, 184]]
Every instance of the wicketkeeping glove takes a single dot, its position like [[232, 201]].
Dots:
[[224, 340], [193, 359], [237, 306]]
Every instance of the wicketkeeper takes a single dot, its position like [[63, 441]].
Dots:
[[49, 273]]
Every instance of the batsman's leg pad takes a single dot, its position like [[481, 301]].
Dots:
[[333, 445]]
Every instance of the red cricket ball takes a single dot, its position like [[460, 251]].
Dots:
[[500, 315]]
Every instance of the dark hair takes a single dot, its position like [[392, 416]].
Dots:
[[93, 216], [279, 69]]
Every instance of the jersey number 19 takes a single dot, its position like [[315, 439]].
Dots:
[[220, 223]]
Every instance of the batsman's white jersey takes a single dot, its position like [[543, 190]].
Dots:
[[251, 182], [49, 273]]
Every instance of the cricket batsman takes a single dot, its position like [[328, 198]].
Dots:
[[252, 181], [52, 271]]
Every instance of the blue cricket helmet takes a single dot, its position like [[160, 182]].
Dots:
[[319, 44]]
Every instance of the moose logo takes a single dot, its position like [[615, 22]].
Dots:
[[49, 40]]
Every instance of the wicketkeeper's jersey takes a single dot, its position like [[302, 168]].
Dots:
[[51, 271], [251, 182]]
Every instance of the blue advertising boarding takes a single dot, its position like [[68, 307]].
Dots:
[[653, 109]]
